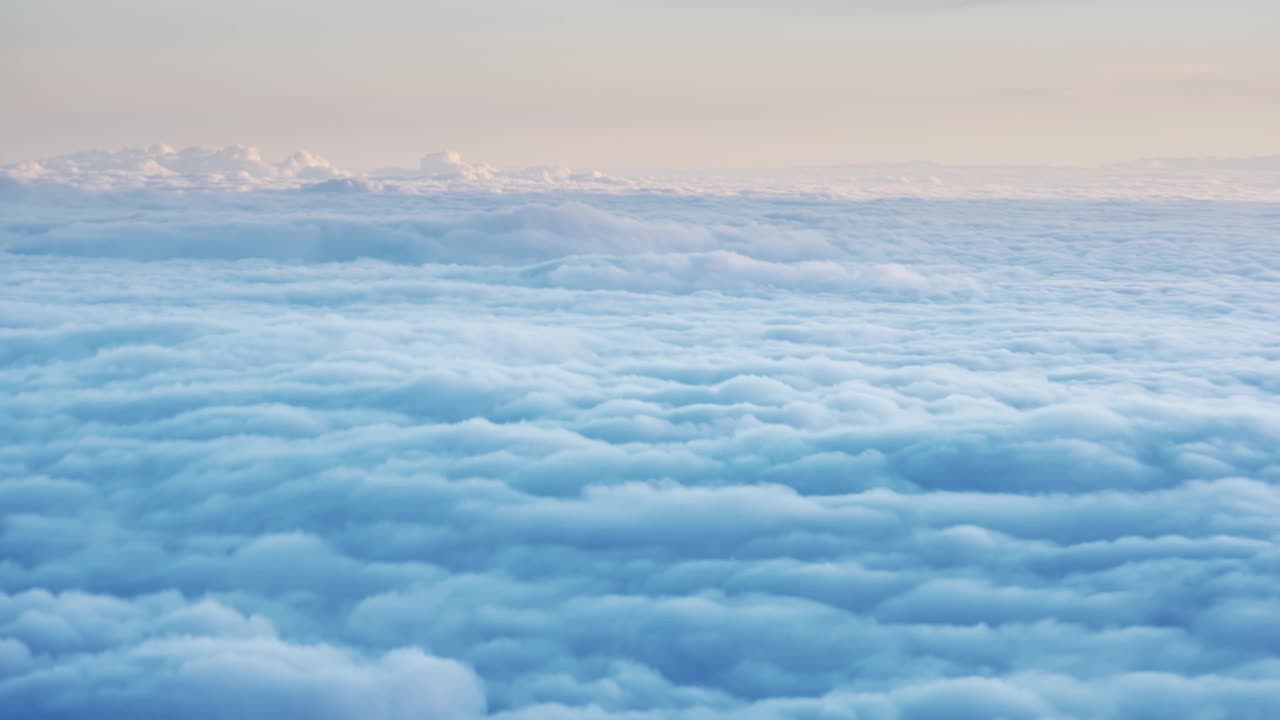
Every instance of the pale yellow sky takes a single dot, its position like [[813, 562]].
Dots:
[[708, 83]]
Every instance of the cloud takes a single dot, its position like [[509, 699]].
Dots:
[[344, 185], [635, 455], [449, 164], [243, 168], [83, 655], [239, 169], [162, 164]]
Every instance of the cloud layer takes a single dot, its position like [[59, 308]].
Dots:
[[636, 455], [242, 168]]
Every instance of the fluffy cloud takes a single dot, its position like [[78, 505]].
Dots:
[[365, 453], [242, 168], [74, 655], [239, 167], [163, 165]]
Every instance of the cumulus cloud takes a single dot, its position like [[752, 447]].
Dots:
[[232, 166], [81, 655], [240, 168], [360, 452], [449, 164]]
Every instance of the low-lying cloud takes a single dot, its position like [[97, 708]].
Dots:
[[462, 454]]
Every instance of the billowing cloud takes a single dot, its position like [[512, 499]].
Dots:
[[461, 454], [239, 167], [162, 164], [74, 655], [243, 168]]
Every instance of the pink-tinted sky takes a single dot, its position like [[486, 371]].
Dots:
[[708, 83]]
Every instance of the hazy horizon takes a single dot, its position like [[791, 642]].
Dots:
[[701, 84], [407, 159]]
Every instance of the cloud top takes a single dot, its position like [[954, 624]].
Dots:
[[241, 168], [369, 452]]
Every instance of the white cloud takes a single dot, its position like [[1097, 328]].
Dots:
[[95, 656], [242, 168], [635, 455], [162, 165]]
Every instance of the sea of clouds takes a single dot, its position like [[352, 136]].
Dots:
[[283, 440]]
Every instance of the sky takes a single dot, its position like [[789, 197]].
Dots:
[[705, 83]]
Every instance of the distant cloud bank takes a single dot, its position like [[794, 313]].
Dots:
[[242, 168]]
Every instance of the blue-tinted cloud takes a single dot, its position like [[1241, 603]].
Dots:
[[636, 455], [74, 655]]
